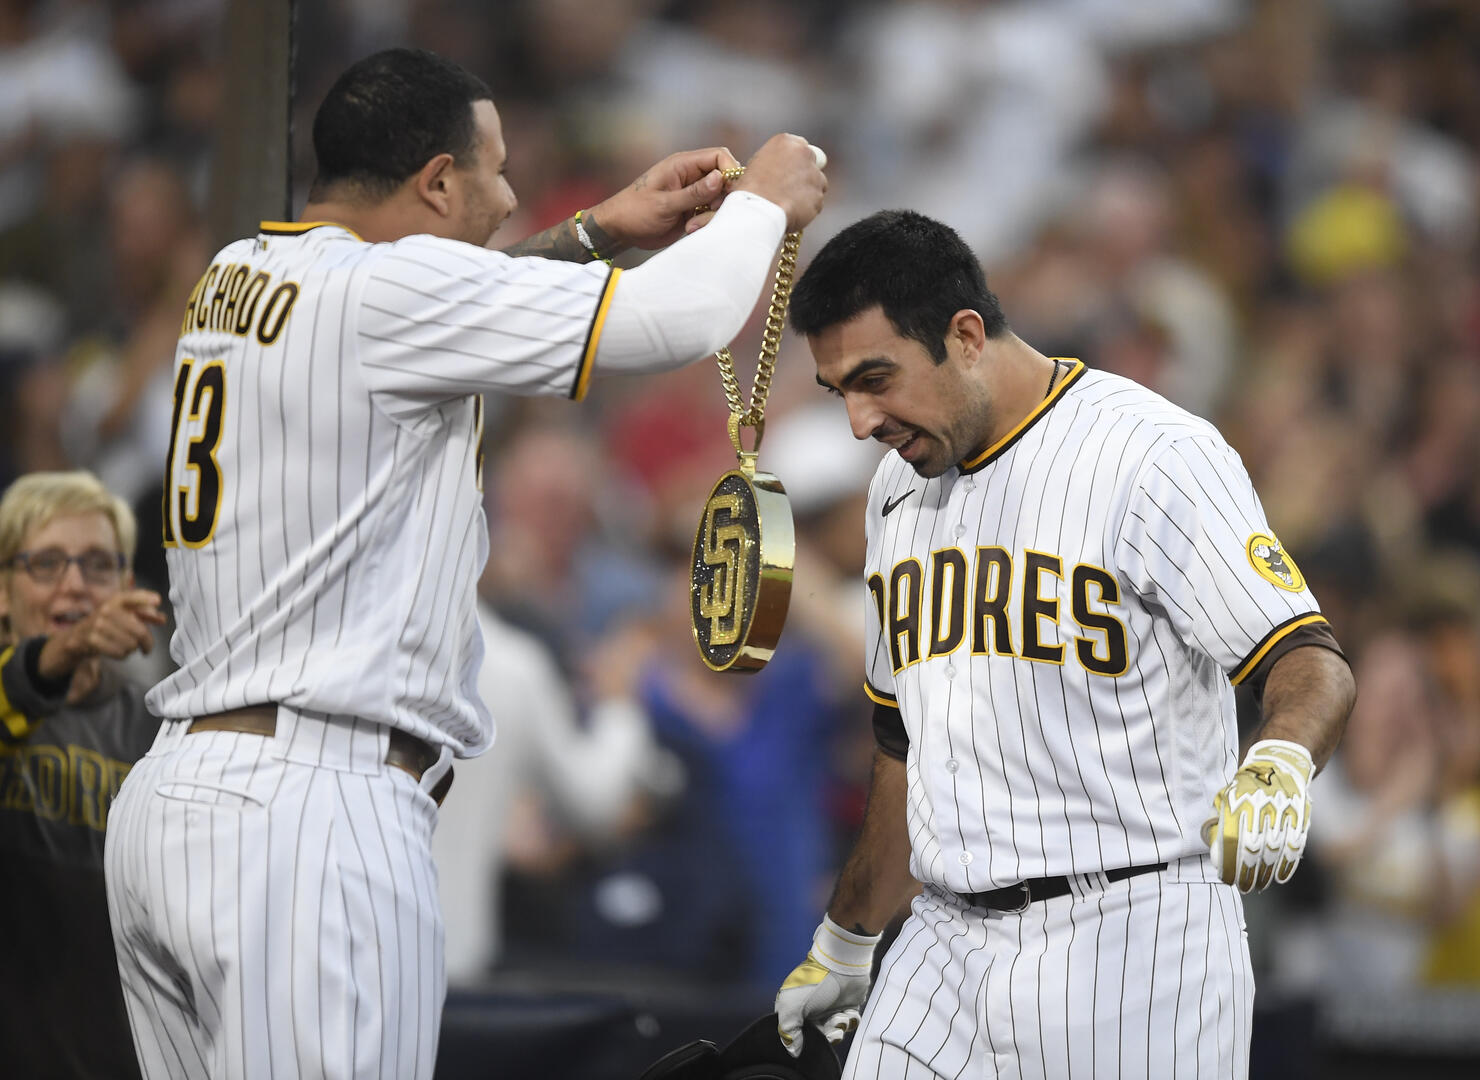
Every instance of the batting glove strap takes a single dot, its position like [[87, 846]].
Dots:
[[1261, 819], [1293, 758], [842, 950]]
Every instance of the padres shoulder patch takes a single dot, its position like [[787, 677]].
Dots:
[[1273, 563]]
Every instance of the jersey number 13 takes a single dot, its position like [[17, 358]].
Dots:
[[192, 491]]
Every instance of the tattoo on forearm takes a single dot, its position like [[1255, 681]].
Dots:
[[559, 241]]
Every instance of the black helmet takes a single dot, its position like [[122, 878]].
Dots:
[[755, 1054]]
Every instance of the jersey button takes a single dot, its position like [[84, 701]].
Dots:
[[960, 531], [952, 765], [950, 671], [964, 858], [969, 483]]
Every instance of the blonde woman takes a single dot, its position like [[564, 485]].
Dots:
[[70, 728]]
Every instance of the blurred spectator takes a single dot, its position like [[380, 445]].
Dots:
[[1400, 828], [1366, 135], [32, 326], [1185, 320], [60, 84], [554, 567], [1378, 837], [826, 473], [70, 729], [577, 783], [725, 882], [969, 112], [118, 417]]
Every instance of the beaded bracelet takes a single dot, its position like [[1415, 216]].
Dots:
[[585, 238]]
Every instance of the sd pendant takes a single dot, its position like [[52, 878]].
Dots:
[[740, 574]]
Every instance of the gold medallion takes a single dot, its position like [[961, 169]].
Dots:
[[740, 577], [745, 546]]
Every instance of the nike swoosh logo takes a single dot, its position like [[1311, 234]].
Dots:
[[890, 504]]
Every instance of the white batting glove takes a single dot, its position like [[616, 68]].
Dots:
[[828, 988], [1261, 818]]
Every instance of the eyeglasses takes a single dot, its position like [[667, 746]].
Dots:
[[49, 566]]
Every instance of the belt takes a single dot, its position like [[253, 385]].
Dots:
[[1015, 898], [405, 752]]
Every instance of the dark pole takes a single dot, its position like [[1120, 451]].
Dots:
[[252, 160]]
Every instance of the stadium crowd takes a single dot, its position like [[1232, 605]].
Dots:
[[1268, 210]]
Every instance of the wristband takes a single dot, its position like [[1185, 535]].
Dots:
[[842, 950], [585, 238]]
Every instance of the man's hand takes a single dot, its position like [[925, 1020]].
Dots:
[[651, 211], [786, 171], [828, 988], [1258, 830], [118, 626]]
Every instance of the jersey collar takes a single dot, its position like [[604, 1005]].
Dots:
[[298, 228], [1002, 445]]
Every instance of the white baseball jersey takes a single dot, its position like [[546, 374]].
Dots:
[[322, 511], [1060, 622], [274, 899]]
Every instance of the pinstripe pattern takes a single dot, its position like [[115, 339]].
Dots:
[[1023, 769], [1145, 978], [274, 902], [338, 578], [275, 907], [1036, 748]]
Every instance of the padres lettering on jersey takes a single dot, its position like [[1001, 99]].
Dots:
[[984, 584], [1060, 622], [322, 508]]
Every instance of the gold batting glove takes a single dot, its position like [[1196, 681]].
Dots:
[[828, 988], [1261, 819]]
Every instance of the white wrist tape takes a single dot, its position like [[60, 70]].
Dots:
[[694, 297]]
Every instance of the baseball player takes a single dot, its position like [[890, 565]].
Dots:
[[1066, 575], [271, 887], [70, 729]]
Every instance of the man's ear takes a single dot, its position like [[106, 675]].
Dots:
[[969, 333], [434, 184]]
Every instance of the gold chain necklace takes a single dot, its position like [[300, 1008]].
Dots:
[[745, 547], [753, 414]]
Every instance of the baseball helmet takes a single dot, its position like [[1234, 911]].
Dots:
[[755, 1054]]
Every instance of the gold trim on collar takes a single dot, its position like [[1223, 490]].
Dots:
[[1028, 421], [297, 228]]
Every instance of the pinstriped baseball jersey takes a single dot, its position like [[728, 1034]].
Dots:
[[322, 514], [1061, 621]]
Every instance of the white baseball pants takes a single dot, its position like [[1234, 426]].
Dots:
[[274, 905], [1148, 977]]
